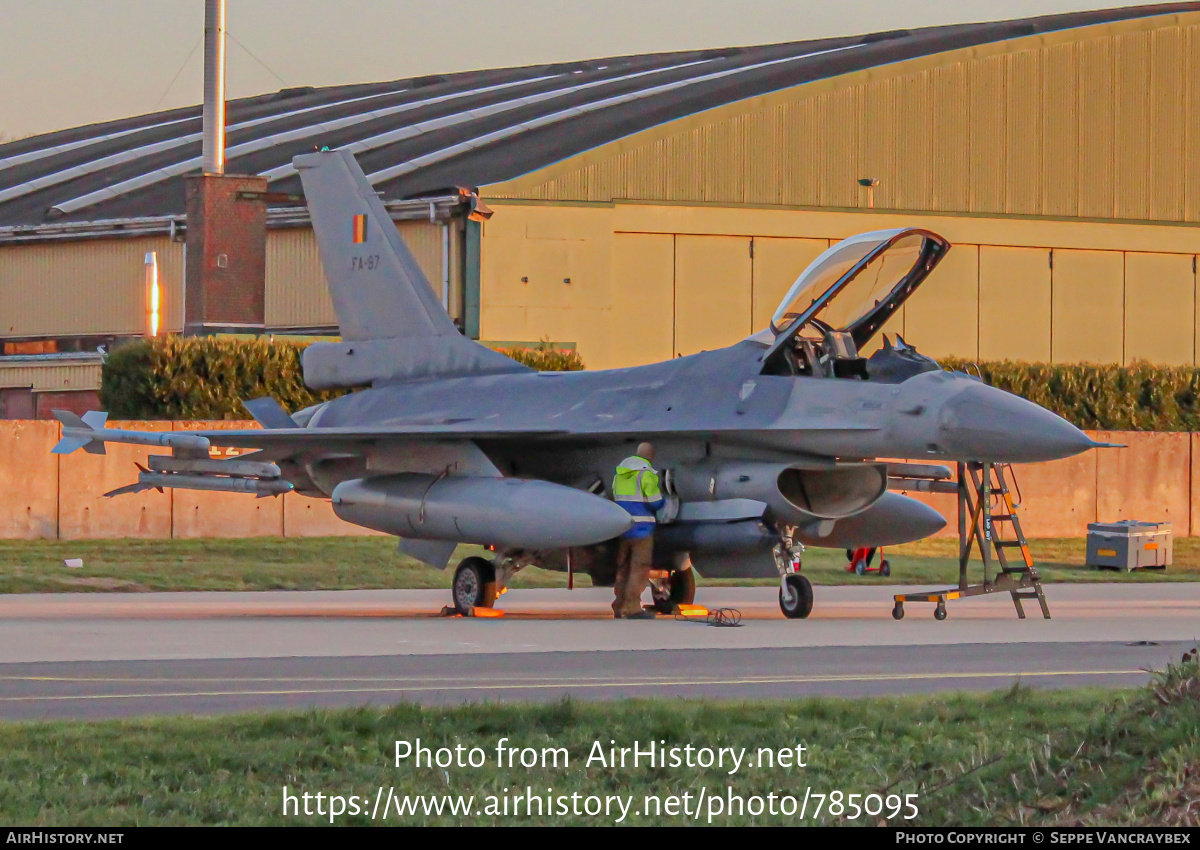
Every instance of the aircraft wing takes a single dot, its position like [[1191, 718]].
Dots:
[[90, 433]]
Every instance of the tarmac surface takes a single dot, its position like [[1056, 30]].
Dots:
[[119, 655]]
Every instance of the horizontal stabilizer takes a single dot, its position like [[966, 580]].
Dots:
[[268, 413]]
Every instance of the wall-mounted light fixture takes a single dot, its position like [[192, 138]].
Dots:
[[153, 295], [869, 183]]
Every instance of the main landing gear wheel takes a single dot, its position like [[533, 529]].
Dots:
[[885, 569], [681, 590], [898, 611], [860, 568], [939, 613], [474, 585], [797, 603]]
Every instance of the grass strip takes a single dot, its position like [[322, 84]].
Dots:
[[1013, 757], [349, 563]]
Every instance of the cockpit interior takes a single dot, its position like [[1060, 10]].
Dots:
[[838, 304]]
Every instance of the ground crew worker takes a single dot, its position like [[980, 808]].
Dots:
[[637, 490]]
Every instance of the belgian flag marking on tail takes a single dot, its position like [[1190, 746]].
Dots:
[[360, 228]]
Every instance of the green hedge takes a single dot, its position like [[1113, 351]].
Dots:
[[1138, 397], [202, 378], [207, 377], [543, 358]]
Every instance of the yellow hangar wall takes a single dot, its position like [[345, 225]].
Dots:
[[1095, 122], [297, 295], [93, 286], [1065, 167], [633, 283]]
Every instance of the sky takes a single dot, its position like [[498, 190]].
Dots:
[[65, 63]]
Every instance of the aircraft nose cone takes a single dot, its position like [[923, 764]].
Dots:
[[983, 423]]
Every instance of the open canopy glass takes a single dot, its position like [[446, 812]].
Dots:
[[857, 284]]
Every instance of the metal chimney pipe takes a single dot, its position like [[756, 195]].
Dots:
[[214, 87]]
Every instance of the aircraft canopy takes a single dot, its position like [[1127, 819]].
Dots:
[[857, 284]]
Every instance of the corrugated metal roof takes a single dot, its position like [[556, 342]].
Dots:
[[418, 135], [48, 372]]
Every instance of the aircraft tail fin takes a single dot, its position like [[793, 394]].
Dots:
[[393, 326]]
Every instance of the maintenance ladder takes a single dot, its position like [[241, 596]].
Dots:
[[987, 516]]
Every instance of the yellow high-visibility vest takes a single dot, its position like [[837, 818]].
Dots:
[[636, 481]]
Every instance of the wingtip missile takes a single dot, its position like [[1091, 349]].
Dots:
[[89, 432]]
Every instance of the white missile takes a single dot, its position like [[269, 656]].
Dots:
[[88, 433], [216, 483]]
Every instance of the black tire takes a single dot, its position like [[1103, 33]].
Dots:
[[474, 585], [798, 605], [885, 569], [860, 568], [681, 591], [850, 555], [939, 613], [898, 612]]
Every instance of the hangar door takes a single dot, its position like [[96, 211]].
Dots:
[[642, 325], [777, 265], [1088, 307], [712, 292], [1160, 308]]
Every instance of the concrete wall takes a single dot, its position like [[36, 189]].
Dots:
[[51, 496], [43, 495], [1151, 479]]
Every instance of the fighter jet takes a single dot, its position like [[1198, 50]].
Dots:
[[768, 446]]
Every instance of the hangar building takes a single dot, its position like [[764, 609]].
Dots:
[[649, 206]]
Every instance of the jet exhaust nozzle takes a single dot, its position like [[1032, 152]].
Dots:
[[509, 512]]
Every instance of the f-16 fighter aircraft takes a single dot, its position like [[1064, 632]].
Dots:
[[768, 445]]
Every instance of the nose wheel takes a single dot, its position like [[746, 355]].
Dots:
[[795, 596]]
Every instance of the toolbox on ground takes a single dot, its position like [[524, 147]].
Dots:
[[1129, 544]]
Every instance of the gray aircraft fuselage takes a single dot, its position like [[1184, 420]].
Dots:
[[720, 398]]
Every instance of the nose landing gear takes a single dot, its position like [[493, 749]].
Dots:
[[795, 590]]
